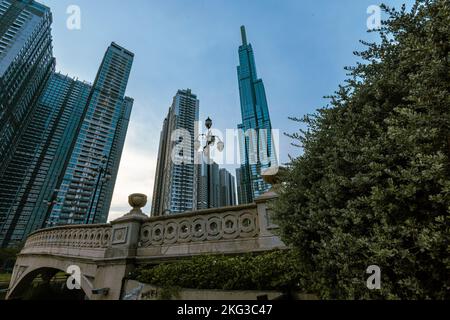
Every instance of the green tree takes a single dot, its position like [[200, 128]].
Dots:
[[372, 186]]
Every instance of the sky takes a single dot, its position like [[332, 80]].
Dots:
[[301, 48]]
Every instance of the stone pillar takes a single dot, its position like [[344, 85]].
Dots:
[[264, 221], [267, 229], [120, 257], [126, 230], [270, 176]]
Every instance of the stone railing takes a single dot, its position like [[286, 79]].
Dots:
[[229, 230], [245, 228], [106, 253], [207, 225], [75, 236]]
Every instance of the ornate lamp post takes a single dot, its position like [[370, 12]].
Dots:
[[210, 142]]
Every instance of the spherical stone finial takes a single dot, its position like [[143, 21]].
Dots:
[[137, 201], [272, 175]]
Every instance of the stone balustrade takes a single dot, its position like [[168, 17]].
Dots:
[[207, 225], [244, 228], [105, 253], [75, 236], [229, 229]]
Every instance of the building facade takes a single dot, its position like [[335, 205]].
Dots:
[[227, 189], [216, 187], [159, 184], [175, 187], [208, 186], [64, 166], [29, 178], [60, 139], [85, 191], [241, 192], [26, 63], [256, 149]]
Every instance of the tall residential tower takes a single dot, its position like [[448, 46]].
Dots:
[[28, 179], [227, 189], [208, 185], [26, 63], [175, 188], [65, 161], [220, 185], [87, 184], [257, 151]]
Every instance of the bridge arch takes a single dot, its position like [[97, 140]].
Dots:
[[23, 282], [47, 268]]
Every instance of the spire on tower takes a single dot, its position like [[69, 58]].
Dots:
[[244, 36]]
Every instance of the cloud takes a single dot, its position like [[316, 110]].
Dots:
[[136, 175]]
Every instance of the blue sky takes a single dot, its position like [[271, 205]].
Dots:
[[301, 48]]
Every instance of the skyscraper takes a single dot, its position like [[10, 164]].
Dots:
[[158, 198], [227, 189], [85, 192], [58, 136], [64, 165], [26, 63], [220, 185], [241, 192], [175, 188], [29, 178], [208, 185], [255, 139]]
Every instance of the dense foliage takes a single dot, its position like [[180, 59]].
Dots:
[[275, 270], [372, 186]]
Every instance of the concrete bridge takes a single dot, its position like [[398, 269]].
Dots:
[[106, 253]]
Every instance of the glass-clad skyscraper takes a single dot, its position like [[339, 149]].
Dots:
[[85, 193], [240, 191], [64, 166], [227, 189], [26, 63], [61, 139], [215, 186], [29, 178], [208, 185], [175, 188], [255, 139]]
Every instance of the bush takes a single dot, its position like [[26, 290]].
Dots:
[[275, 270], [372, 186]]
